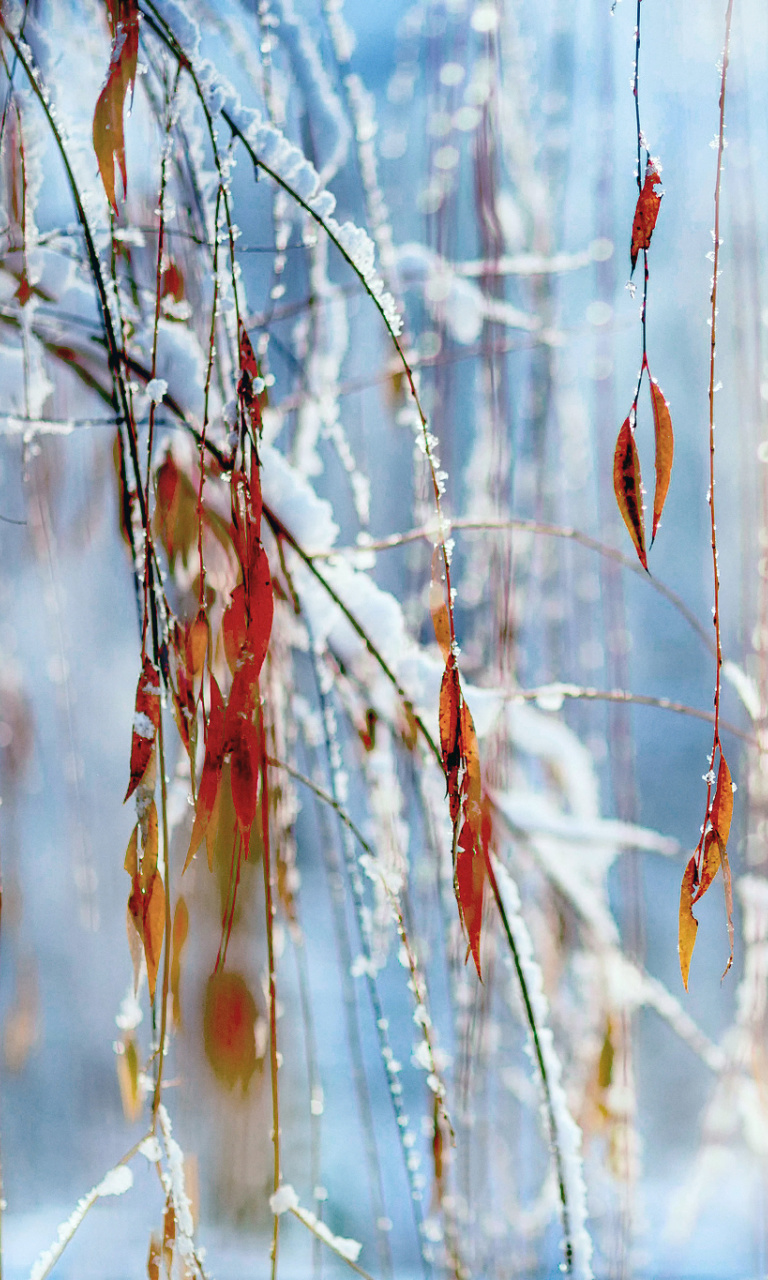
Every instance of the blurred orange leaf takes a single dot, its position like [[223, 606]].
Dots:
[[229, 1022], [146, 903], [180, 931], [438, 607]]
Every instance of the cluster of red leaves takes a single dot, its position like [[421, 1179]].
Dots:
[[704, 865], [108, 134], [461, 763]]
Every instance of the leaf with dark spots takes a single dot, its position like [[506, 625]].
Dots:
[[665, 448], [450, 730], [146, 719], [646, 212], [628, 487]]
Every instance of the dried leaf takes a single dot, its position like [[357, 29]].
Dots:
[[229, 1021], [646, 212], [146, 903], [628, 487], [108, 135], [128, 1079], [665, 448], [153, 1261], [728, 902], [210, 778], [146, 719], [688, 923], [470, 881]]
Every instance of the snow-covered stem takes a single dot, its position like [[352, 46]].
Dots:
[[564, 1134]]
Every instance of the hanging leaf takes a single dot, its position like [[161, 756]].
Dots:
[[153, 1261], [721, 812], [108, 135], [208, 790], [646, 212], [472, 784], [688, 923], [665, 448], [260, 607], [250, 400], [450, 729], [229, 1023], [197, 643], [234, 625], [628, 487], [175, 518], [710, 864], [180, 931], [146, 719], [128, 1078], [470, 881]]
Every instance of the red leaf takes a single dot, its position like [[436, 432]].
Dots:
[[628, 487], [260, 606], [470, 881], [108, 136], [688, 924], [242, 740], [449, 721], [229, 1025], [146, 719], [472, 784], [197, 643], [665, 448], [646, 212], [208, 790], [234, 625]]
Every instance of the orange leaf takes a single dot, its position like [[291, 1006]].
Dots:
[[470, 881], [146, 719], [628, 487], [450, 731], [646, 212], [197, 643], [665, 448], [722, 806], [472, 786], [180, 931], [108, 136], [710, 864], [229, 1022], [153, 1261], [688, 922], [208, 790]]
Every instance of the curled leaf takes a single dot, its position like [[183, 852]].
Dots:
[[665, 448], [628, 487], [688, 924], [646, 212], [108, 135]]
